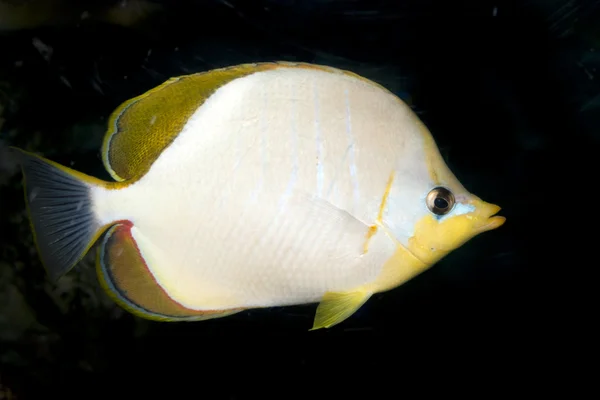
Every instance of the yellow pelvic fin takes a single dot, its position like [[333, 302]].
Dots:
[[336, 307]]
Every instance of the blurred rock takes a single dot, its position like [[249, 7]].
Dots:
[[28, 14], [15, 314]]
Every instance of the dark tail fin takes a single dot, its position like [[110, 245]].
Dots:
[[60, 210]]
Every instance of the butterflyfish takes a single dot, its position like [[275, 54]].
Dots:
[[255, 186]]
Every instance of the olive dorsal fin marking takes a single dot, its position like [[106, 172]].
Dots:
[[141, 128]]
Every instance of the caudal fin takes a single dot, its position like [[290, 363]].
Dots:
[[60, 210]]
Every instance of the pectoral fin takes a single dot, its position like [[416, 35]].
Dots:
[[335, 307]]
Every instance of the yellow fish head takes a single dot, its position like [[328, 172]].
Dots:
[[452, 222]]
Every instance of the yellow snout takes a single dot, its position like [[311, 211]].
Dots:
[[434, 238]]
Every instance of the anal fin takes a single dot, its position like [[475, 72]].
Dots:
[[336, 307], [125, 276]]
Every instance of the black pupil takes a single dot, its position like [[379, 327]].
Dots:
[[440, 203]]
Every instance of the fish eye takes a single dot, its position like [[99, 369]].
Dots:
[[440, 201]]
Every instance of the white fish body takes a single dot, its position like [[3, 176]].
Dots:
[[293, 184]]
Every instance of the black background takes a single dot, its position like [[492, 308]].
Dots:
[[508, 89]]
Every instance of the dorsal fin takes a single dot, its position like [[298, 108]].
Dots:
[[141, 128]]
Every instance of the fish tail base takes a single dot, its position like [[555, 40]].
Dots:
[[60, 211]]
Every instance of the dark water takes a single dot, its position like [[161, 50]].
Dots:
[[510, 91]]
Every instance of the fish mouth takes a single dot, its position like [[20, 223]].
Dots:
[[492, 221]]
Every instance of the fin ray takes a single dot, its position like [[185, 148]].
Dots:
[[60, 211]]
